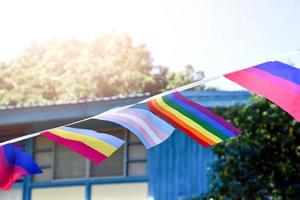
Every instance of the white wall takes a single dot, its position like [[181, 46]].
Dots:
[[124, 191], [59, 193], [13, 194]]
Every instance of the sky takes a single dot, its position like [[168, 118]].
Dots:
[[216, 36]]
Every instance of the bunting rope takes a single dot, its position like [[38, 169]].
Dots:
[[179, 89]]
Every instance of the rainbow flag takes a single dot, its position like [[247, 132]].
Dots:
[[91, 144], [278, 82], [193, 119], [14, 163], [150, 129]]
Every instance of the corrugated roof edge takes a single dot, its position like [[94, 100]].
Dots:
[[99, 99], [205, 93]]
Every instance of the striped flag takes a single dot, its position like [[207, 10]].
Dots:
[[91, 144], [14, 163], [278, 82], [193, 119], [150, 129]]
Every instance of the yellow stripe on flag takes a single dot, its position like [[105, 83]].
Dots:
[[188, 121], [94, 143]]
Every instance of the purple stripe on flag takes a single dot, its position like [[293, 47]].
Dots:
[[281, 70], [16, 156], [291, 86], [275, 92], [14, 163], [209, 113], [201, 116]]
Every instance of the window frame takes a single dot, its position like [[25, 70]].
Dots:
[[87, 175]]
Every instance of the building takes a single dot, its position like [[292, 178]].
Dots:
[[178, 168]]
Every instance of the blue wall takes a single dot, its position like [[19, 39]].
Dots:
[[178, 168]]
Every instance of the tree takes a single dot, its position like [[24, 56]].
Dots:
[[71, 70], [67, 69], [262, 163], [188, 75]]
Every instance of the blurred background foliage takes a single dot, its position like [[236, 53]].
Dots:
[[67, 69], [262, 163]]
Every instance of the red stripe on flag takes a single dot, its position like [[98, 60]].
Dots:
[[177, 125]]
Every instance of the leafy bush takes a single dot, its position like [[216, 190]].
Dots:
[[262, 163]]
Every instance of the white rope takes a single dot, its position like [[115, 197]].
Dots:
[[182, 88], [285, 55], [185, 87], [25, 137]]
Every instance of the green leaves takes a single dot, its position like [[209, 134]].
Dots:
[[67, 69], [188, 75], [72, 70], [264, 161]]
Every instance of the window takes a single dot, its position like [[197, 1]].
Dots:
[[43, 153], [59, 163], [114, 165], [68, 164], [137, 155]]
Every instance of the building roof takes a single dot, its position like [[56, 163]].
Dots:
[[61, 103], [76, 110]]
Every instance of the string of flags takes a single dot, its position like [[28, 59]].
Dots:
[[154, 120]]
